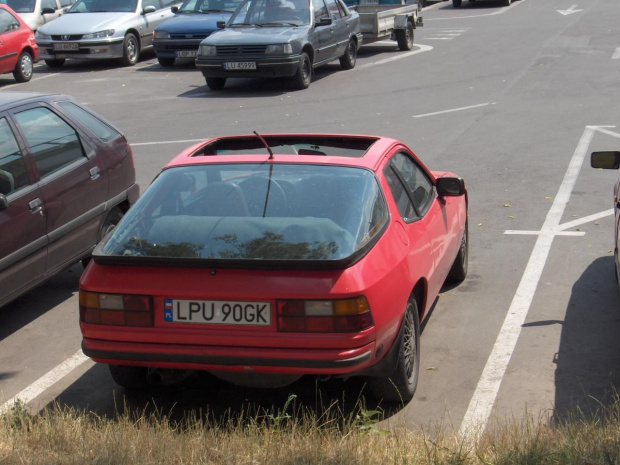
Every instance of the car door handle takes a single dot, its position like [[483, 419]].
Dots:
[[94, 173], [36, 206]]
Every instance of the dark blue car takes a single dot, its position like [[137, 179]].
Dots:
[[180, 36]]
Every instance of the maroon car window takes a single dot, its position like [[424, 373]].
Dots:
[[53, 143], [253, 211], [13, 174], [98, 127]]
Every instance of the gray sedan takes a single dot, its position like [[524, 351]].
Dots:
[[279, 38], [95, 29]]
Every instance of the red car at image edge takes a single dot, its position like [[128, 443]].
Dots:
[[18, 49], [263, 258]]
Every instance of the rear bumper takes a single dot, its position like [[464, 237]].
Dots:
[[252, 359], [265, 68]]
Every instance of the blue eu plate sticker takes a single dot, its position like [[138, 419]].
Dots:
[[168, 310]]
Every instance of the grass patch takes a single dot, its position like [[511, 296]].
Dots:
[[293, 434]]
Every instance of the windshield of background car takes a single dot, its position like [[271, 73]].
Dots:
[[104, 6], [262, 211], [20, 6], [267, 12], [209, 6]]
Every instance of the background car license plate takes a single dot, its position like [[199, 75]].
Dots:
[[217, 312], [187, 54], [240, 65], [73, 46]]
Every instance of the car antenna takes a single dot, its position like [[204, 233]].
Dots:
[[265, 144]]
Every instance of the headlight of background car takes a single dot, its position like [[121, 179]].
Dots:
[[99, 35], [207, 50], [161, 35], [41, 35], [280, 49]]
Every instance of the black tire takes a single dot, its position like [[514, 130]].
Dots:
[[55, 63], [303, 76], [109, 223], [404, 37], [24, 67], [421, 4], [166, 62], [131, 378], [457, 3], [400, 386], [216, 83], [347, 61], [458, 272], [131, 50]]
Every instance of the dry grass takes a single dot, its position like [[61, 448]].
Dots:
[[65, 436]]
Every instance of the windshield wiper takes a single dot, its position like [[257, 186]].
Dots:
[[245, 24], [280, 23], [215, 11]]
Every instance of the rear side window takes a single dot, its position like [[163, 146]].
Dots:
[[98, 127], [13, 174], [8, 22], [53, 143]]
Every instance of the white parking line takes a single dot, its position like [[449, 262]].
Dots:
[[481, 404], [400, 56], [46, 381], [616, 54], [452, 110]]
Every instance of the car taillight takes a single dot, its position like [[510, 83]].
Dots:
[[116, 309], [324, 316]]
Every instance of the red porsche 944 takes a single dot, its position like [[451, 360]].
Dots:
[[263, 258]]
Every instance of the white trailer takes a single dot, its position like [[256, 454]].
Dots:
[[395, 21]]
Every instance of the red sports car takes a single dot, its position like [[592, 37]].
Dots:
[[265, 258], [18, 49]]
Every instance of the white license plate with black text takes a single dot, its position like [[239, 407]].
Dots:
[[187, 54], [217, 312], [65, 47], [240, 65]]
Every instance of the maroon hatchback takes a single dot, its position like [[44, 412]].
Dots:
[[66, 178]]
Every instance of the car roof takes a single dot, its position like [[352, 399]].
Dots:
[[361, 150], [11, 98]]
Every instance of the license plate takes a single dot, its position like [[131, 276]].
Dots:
[[217, 312], [64, 47], [240, 65], [187, 54]]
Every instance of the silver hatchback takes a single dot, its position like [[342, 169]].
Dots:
[[96, 29]]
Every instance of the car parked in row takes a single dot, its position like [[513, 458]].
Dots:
[[100, 29], [66, 178], [279, 38], [265, 258], [36, 13], [18, 49], [610, 160], [195, 20]]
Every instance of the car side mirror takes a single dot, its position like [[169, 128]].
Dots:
[[605, 160], [450, 186], [325, 21], [149, 9], [221, 24], [175, 9], [4, 203], [47, 11]]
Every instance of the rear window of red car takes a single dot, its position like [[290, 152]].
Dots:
[[265, 211]]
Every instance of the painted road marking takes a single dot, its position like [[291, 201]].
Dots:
[[452, 110], [46, 381], [570, 11], [483, 399], [616, 54], [400, 56]]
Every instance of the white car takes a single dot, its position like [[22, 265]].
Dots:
[[98, 29], [36, 13]]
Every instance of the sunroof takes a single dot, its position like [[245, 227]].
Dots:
[[320, 145]]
